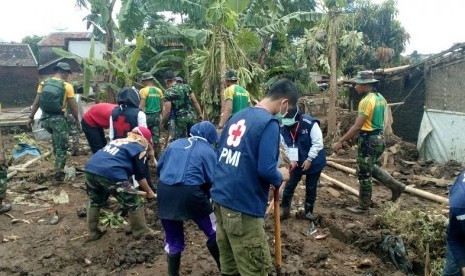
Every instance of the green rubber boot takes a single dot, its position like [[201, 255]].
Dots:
[[387, 180], [137, 222], [93, 219]]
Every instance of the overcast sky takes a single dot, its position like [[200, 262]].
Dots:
[[433, 25]]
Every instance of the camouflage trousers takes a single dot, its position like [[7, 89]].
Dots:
[[184, 124], [153, 123], [58, 127], [370, 148], [3, 181], [100, 188], [73, 131]]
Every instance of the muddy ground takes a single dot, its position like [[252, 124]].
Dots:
[[33, 246]]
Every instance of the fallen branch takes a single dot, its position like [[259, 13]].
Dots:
[[340, 184], [27, 164], [408, 189], [38, 210]]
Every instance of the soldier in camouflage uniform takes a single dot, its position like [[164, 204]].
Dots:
[[74, 133], [3, 178], [55, 122], [371, 143], [107, 174], [180, 99]]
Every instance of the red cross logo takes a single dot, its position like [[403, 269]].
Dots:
[[121, 126], [236, 131]]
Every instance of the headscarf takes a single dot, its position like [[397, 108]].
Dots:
[[204, 131]]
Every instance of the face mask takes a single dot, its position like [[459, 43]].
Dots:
[[290, 121], [279, 115]]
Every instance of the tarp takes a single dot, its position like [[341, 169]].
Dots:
[[442, 136]]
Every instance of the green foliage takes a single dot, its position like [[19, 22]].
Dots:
[[112, 220], [32, 42], [419, 228]]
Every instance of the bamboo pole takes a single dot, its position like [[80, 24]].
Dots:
[[348, 160], [408, 189], [340, 184], [27, 164], [277, 232]]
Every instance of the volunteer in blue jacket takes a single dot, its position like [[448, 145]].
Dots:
[[303, 141], [186, 174], [108, 172], [247, 165], [455, 255]]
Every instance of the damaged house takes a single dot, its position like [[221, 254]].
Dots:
[[433, 111]]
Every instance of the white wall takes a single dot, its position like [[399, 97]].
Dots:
[[82, 48]]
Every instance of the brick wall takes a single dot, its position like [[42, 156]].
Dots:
[[445, 87], [18, 86]]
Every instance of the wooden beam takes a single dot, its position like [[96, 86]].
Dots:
[[408, 189], [340, 184]]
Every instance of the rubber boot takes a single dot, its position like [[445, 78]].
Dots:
[[58, 178], [4, 208], [364, 201], [174, 261], [387, 180], [137, 222], [93, 219], [215, 252], [285, 211]]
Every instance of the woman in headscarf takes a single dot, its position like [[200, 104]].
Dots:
[[186, 173]]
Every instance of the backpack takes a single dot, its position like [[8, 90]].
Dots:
[[51, 98]]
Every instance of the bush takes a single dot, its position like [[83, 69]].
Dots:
[[419, 228]]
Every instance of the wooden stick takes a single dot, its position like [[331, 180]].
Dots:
[[408, 189], [79, 237], [340, 184], [277, 232], [28, 163], [38, 210], [349, 160]]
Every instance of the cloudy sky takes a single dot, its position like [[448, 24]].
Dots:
[[433, 25]]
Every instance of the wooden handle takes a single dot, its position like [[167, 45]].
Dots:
[[277, 231]]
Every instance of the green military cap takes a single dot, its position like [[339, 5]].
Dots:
[[231, 75], [63, 66], [147, 76], [364, 77]]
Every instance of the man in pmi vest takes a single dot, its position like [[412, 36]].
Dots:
[[247, 165]]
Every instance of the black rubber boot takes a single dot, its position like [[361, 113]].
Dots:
[[285, 211], [4, 208], [364, 201], [215, 252], [93, 219], [387, 180], [174, 261]]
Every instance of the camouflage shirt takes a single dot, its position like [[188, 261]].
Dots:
[[179, 96]]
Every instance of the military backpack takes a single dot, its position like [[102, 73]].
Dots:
[[52, 95]]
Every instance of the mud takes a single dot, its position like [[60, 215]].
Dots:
[[351, 246]]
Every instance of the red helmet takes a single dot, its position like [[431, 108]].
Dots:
[[144, 132]]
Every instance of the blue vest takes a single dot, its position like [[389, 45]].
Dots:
[[304, 143], [114, 161], [236, 183], [124, 121]]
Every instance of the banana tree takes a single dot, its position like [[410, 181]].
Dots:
[[329, 46]]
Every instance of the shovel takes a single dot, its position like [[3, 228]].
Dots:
[[277, 232]]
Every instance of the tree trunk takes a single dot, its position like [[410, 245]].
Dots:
[[223, 67], [264, 51], [333, 79]]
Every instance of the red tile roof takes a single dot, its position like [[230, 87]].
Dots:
[[58, 39]]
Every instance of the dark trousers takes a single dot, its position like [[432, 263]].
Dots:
[[95, 136], [174, 232], [311, 183]]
